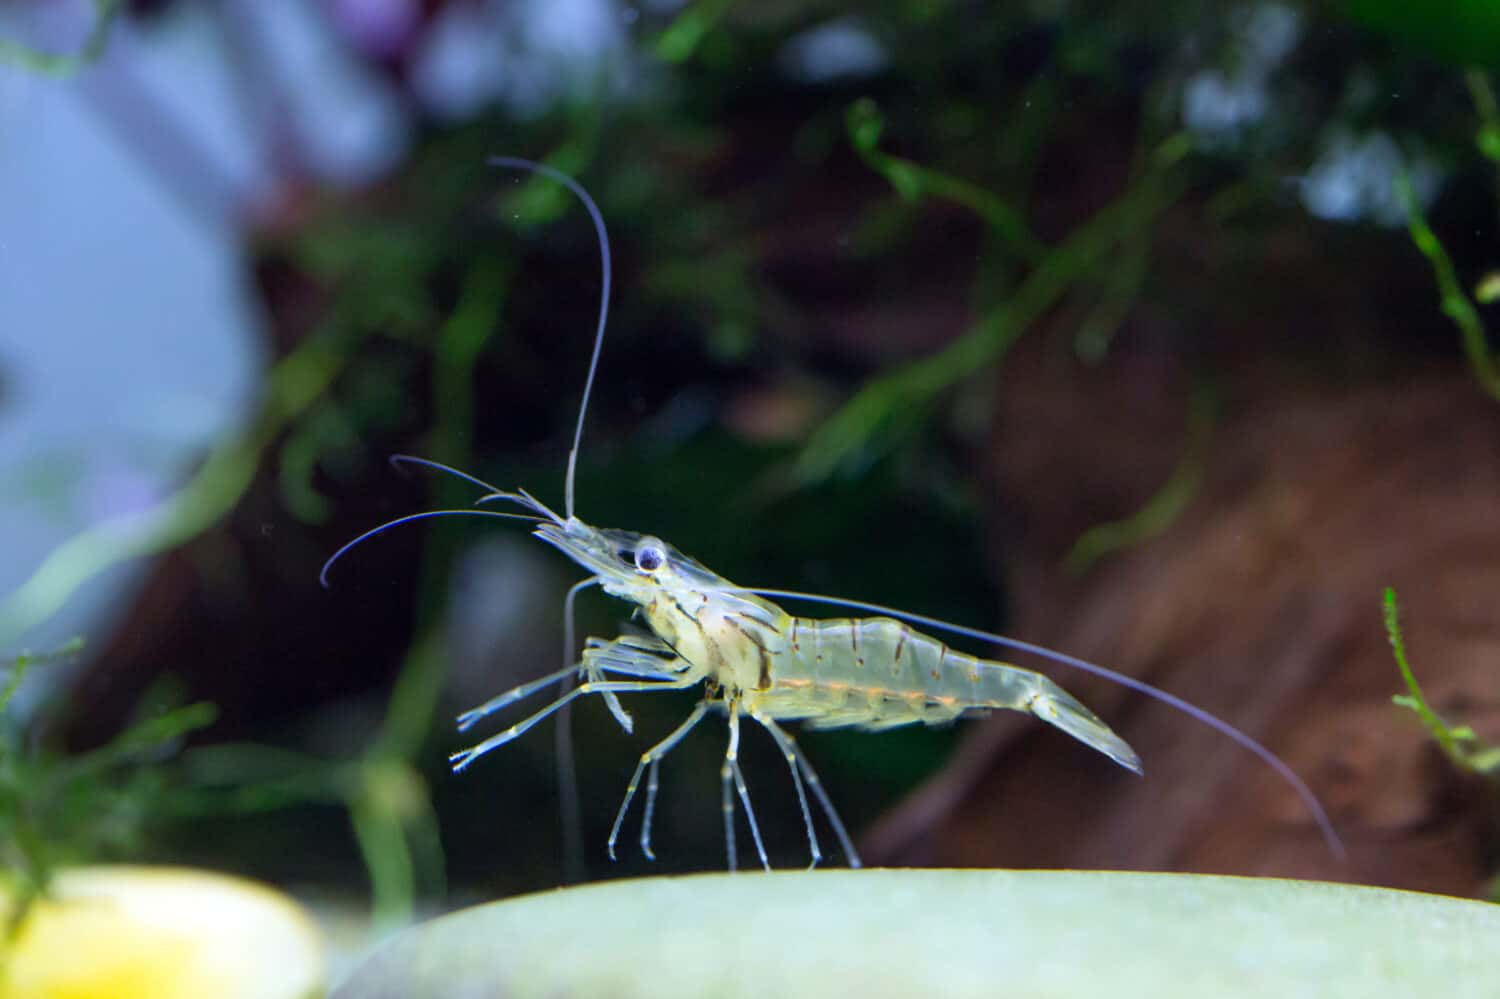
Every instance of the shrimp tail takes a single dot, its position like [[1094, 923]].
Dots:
[[1057, 707]]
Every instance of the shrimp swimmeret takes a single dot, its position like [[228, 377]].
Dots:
[[756, 660]]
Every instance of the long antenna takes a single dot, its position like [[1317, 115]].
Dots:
[[607, 267]]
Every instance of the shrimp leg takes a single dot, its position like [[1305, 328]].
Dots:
[[846, 842], [731, 771], [789, 750], [574, 867], [651, 757], [511, 696], [629, 655], [794, 753], [641, 656], [462, 759]]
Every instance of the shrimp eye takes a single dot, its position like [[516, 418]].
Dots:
[[649, 559]]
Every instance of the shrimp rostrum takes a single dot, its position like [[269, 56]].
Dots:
[[753, 659]]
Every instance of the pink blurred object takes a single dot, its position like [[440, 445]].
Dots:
[[380, 28]]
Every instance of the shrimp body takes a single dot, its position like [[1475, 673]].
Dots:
[[755, 659], [871, 673]]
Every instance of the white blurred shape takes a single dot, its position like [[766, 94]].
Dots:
[[530, 54], [1217, 104], [1212, 103], [460, 66], [349, 125], [1354, 179], [836, 50]]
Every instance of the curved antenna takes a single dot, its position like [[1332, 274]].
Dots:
[[1276, 763], [398, 460], [607, 268], [520, 497], [424, 515]]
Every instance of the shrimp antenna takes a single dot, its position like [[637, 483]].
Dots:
[[398, 461], [607, 268], [425, 515], [1276, 763], [520, 497]]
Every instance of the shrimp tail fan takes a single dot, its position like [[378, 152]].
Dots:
[[1057, 707]]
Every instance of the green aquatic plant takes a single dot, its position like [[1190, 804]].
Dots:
[[18, 667], [1459, 743], [1463, 748], [891, 405], [63, 809], [1166, 505], [912, 181], [59, 808], [1454, 301]]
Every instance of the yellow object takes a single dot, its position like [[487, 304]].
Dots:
[[162, 933]]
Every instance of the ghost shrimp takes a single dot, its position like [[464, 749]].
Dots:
[[753, 659], [757, 661]]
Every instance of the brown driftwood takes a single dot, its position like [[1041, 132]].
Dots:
[[1262, 603]]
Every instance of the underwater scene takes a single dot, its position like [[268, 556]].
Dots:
[[898, 498]]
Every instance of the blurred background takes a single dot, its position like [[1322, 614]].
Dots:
[[1154, 336]]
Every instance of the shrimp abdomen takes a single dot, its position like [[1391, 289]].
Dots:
[[878, 673]]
